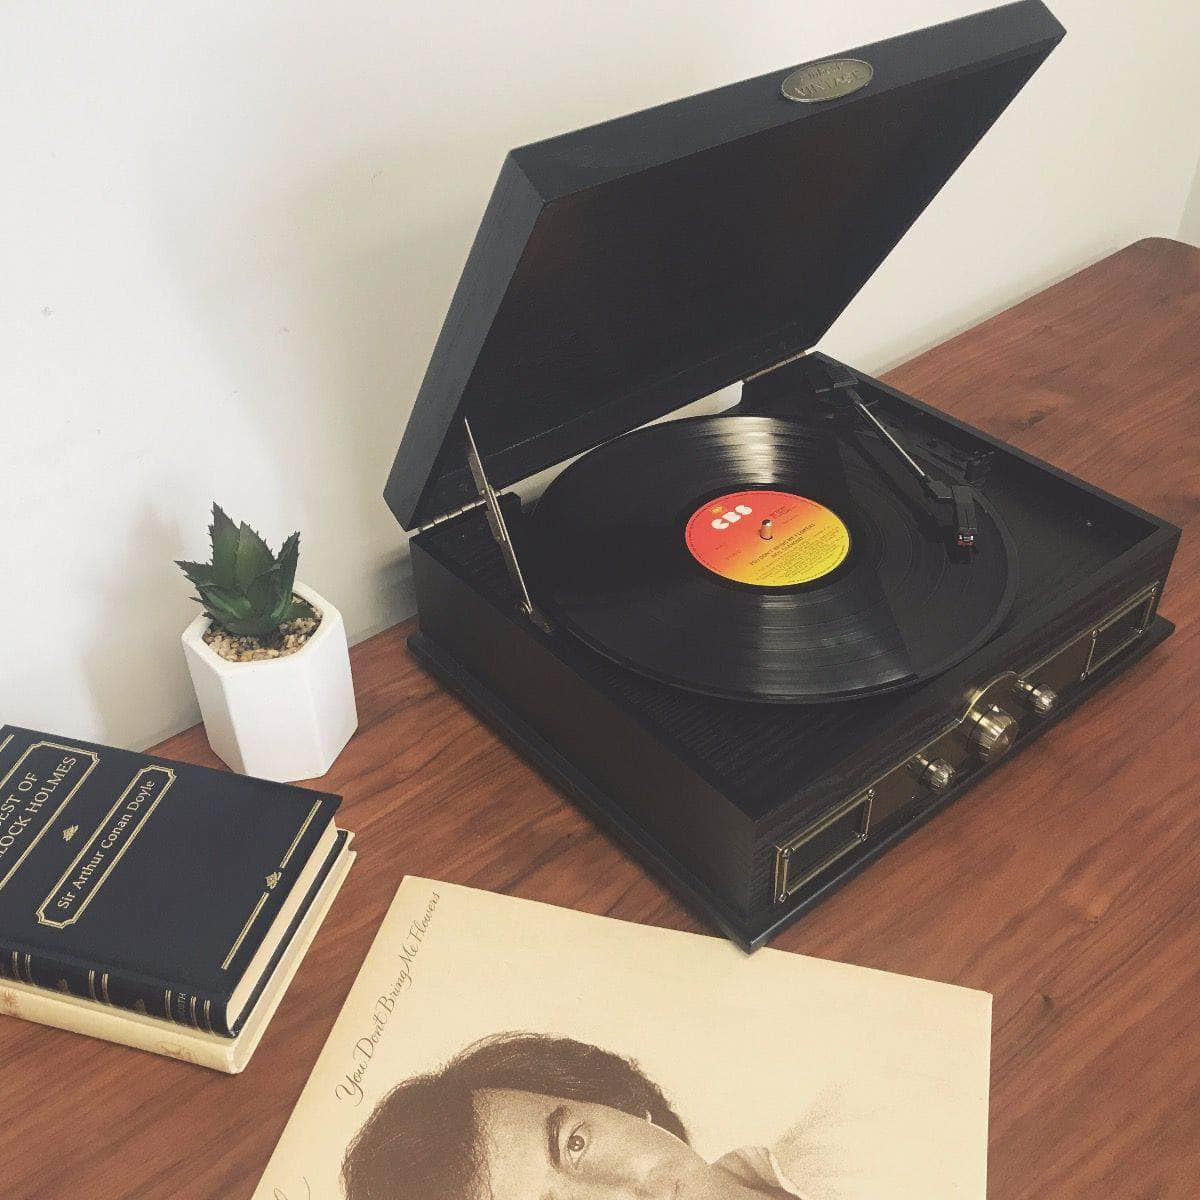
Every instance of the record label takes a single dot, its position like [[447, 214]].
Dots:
[[767, 538]]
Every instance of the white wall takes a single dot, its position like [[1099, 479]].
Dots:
[[231, 232]]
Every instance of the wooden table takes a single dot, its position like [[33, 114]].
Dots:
[[1067, 883]]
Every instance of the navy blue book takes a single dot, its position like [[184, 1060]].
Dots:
[[152, 885]]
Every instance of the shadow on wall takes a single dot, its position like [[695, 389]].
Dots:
[[1189, 229], [141, 680]]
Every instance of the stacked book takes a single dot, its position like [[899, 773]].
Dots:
[[154, 903]]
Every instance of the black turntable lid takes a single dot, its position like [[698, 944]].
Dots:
[[626, 269]]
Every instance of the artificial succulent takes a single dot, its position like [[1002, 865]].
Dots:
[[246, 590]]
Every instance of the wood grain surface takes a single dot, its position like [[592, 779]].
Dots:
[[1067, 883]]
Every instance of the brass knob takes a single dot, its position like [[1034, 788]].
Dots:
[[937, 774], [1042, 699], [992, 731]]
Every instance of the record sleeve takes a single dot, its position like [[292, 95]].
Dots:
[[494, 1048]]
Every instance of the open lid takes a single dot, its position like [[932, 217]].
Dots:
[[629, 268]]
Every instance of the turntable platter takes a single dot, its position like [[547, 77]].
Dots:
[[738, 556]]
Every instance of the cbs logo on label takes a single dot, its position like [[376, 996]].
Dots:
[[731, 516]]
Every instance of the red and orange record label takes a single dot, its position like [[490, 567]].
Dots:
[[771, 539]]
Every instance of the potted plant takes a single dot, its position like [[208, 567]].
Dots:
[[268, 659]]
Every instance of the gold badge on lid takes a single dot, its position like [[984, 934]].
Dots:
[[828, 80]]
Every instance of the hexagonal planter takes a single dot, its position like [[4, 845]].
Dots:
[[282, 718]]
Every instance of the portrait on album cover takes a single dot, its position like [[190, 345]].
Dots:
[[522, 1115], [499, 1049]]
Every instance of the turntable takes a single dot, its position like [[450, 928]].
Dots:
[[763, 645]]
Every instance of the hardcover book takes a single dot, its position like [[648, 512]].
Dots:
[[497, 1049], [149, 885], [215, 1051]]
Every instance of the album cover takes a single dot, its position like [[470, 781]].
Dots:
[[496, 1048]]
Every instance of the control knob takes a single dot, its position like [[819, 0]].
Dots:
[[991, 731], [936, 774], [1042, 699]]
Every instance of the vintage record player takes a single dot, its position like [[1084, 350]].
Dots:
[[759, 646]]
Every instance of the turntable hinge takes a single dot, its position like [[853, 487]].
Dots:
[[499, 528], [447, 516], [783, 362]]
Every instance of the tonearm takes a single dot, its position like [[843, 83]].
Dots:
[[952, 504]]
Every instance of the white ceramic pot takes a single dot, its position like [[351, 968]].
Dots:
[[278, 718]]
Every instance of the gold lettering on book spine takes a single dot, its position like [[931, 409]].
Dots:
[[22, 975], [37, 837], [89, 847]]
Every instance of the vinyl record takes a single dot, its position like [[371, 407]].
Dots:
[[654, 551]]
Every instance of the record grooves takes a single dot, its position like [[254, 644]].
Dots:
[[642, 549]]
